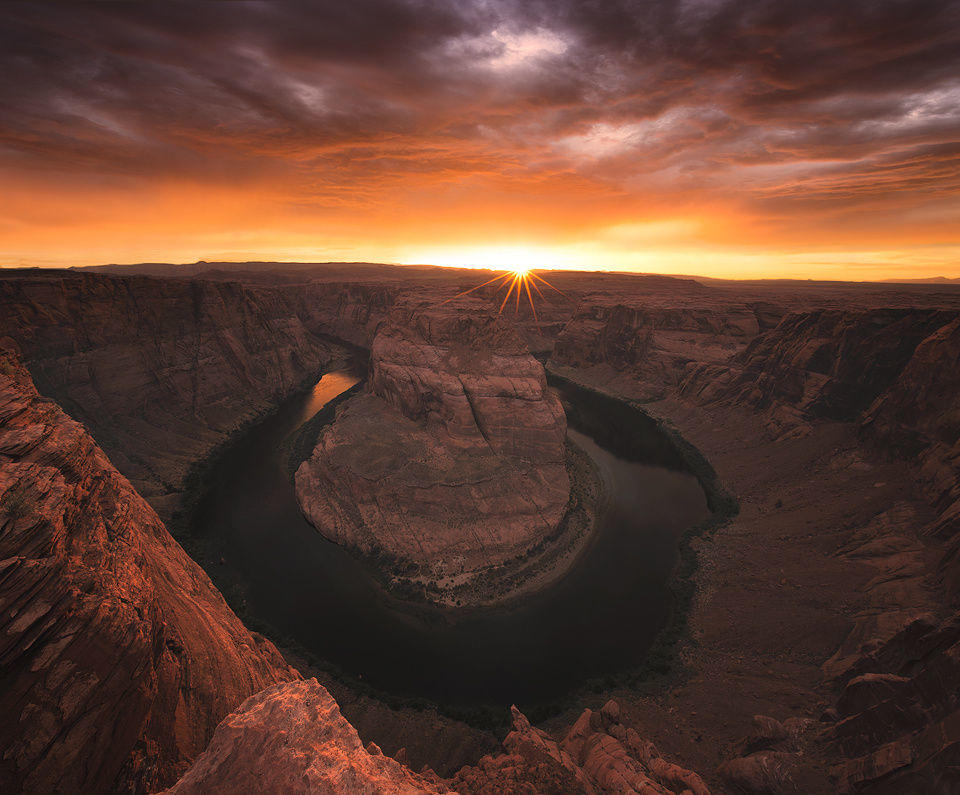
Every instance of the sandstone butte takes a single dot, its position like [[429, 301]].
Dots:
[[453, 458]]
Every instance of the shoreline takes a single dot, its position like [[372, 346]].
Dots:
[[544, 563]]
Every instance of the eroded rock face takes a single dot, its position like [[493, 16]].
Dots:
[[291, 738], [599, 754], [919, 416], [652, 347], [119, 656], [159, 370], [898, 727], [896, 724], [454, 457], [824, 364]]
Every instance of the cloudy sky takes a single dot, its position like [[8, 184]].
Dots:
[[762, 137]]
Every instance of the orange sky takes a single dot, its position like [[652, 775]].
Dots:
[[724, 139]]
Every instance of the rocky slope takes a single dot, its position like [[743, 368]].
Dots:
[[119, 657], [890, 375], [648, 349], [822, 364], [291, 738], [159, 370], [919, 416], [453, 460]]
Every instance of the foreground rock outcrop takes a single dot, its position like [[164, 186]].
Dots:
[[118, 655], [599, 754], [291, 738], [453, 460]]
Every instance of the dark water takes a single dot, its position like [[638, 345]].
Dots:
[[600, 618]]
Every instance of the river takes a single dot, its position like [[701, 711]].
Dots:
[[598, 619]]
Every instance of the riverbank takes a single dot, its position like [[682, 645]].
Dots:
[[541, 565], [631, 430], [567, 631], [181, 506]]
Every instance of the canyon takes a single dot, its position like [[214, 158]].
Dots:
[[821, 648]]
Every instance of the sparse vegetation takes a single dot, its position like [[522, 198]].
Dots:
[[17, 501]]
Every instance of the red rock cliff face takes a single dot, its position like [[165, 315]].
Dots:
[[826, 364], [160, 370], [350, 311], [118, 655], [919, 415], [454, 460], [655, 345]]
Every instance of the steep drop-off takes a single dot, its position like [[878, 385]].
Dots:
[[825, 364], [119, 657], [159, 370], [647, 349]]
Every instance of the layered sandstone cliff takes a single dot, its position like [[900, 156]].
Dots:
[[119, 657], [919, 416], [824, 364], [453, 460], [647, 349], [159, 370]]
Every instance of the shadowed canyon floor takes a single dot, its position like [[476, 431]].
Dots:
[[821, 645]]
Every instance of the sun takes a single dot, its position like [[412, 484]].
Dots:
[[518, 279]]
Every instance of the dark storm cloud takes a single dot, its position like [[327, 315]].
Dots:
[[682, 95]]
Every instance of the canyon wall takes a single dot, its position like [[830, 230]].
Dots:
[[885, 366], [159, 370], [119, 657], [892, 374], [453, 460], [349, 311], [648, 349], [824, 364]]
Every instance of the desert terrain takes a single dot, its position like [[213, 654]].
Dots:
[[813, 638]]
